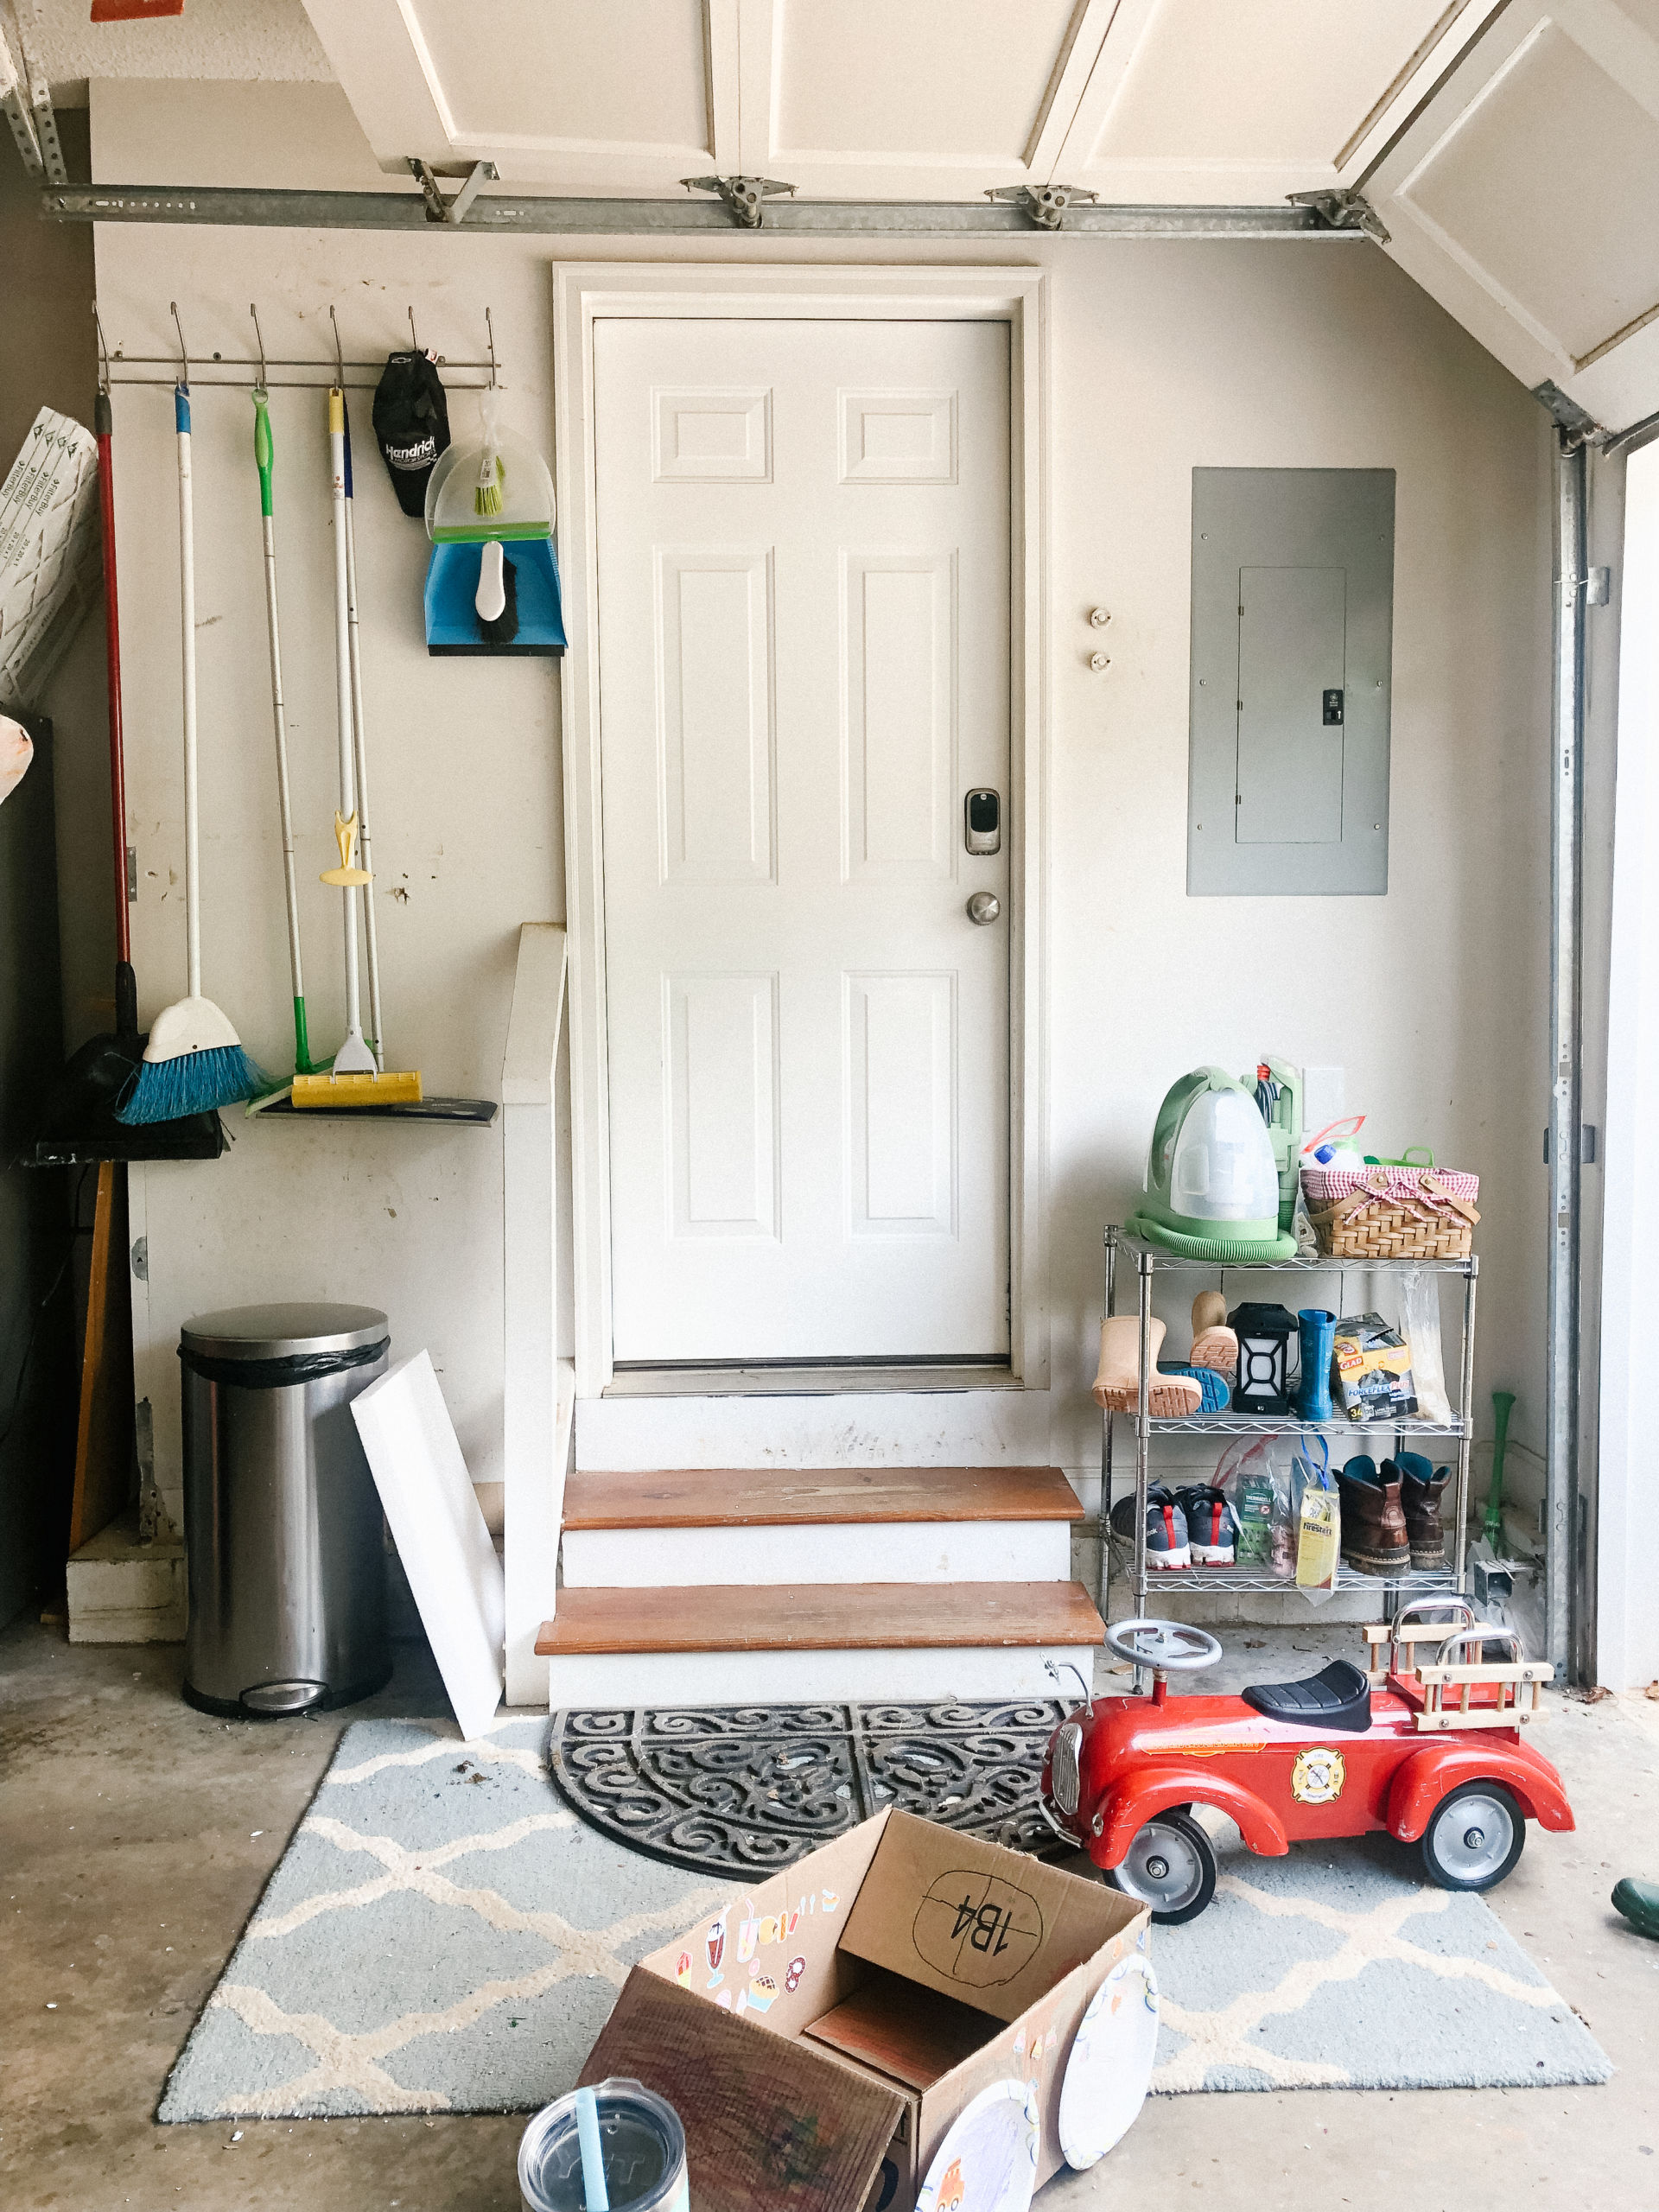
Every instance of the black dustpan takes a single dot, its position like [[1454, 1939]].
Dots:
[[78, 1122]]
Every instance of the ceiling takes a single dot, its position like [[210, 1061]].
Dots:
[[1510, 151]]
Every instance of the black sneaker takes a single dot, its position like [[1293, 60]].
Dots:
[[1166, 1541], [1211, 1524]]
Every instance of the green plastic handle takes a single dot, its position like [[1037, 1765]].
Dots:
[[262, 450]]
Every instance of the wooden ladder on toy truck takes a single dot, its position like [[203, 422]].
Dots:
[[1446, 1690]]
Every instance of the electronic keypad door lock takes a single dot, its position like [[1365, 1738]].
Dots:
[[982, 814]]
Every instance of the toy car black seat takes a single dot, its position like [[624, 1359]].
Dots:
[[1339, 1697]]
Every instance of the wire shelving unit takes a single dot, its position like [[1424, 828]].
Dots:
[[1395, 1590]]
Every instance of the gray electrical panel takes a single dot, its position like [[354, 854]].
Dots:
[[1292, 619]]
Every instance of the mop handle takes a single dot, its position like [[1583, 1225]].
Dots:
[[104, 423], [343, 684], [264, 454], [364, 846], [187, 617]]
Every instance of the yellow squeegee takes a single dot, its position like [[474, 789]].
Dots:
[[356, 1077]]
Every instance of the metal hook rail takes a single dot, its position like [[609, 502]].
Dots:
[[252, 372]]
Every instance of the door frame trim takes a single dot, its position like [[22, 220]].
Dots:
[[586, 292]]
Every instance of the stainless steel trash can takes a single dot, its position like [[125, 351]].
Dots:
[[282, 1519]]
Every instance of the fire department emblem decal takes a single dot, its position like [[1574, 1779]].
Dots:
[[1318, 1776]]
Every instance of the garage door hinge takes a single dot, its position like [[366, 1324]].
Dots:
[[1045, 204], [1577, 426], [453, 212], [1342, 211], [745, 196]]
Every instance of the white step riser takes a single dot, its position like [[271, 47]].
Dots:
[[942, 1428], [672, 1678], [919, 1551]]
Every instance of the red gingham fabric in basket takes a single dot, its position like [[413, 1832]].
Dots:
[[1323, 1187]]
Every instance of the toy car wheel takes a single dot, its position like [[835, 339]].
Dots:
[[1171, 1865], [1474, 1837]]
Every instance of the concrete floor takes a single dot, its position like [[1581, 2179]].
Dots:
[[136, 1836]]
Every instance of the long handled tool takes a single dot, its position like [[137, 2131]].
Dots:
[[377, 1038], [194, 1060], [355, 1078], [77, 1123], [264, 458], [1492, 1529]]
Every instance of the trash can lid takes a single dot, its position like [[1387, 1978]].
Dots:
[[277, 1331]]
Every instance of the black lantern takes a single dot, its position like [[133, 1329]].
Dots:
[[1264, 1334]]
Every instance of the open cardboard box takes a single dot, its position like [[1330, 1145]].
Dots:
[[818, 2036]]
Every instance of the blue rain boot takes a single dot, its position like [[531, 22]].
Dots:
[[1317, 1333]]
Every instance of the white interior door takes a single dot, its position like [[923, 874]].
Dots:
[[803, 533]]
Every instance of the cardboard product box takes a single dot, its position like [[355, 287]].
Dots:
[[1371, 1365], [819, 2034]]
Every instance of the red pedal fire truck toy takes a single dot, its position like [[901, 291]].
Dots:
[[1429, 1743]]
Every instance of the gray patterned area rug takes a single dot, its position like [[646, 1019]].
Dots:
[[443, 1934], [748, 1789]]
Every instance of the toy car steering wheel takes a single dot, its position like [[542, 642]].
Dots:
[[1169, 1646]]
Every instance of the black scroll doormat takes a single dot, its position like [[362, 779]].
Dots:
[[750, 1789]]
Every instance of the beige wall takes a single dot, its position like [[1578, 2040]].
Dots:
[[1167, 356]]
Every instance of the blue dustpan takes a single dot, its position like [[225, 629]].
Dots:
[[452, 622]]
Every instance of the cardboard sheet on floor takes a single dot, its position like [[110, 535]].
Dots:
[[439, 1529]]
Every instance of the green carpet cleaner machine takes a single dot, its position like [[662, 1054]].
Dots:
[[1222, 1170]]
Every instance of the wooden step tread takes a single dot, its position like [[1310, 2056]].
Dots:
[[742, 1497], [821, 1617]]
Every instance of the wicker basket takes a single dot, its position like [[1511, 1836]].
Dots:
[[1392, 1213]]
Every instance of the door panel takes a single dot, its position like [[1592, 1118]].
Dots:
[[714, 686], [804, 601], [1291, 628], [900, 1059], [898, 688], [721, 1061]]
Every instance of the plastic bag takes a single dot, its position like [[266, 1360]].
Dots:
[[1318, 1520], [1419, 1325], [1254, 1475]]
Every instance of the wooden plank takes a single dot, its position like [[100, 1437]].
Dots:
[[741, 1498], [103, 1438], [821, 1617], [903, 2029], [768, 2120]]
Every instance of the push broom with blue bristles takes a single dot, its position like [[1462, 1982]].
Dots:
[[194, 1061]]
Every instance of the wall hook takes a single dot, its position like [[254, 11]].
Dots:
[[489, 325], [413, 339], [259, 339], [184, 353], [103, 354], [340, 362]]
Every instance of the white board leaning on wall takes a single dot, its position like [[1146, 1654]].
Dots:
[[440, 1533]]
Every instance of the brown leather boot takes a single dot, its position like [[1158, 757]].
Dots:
[[1422, 1486], [1373, 1538]]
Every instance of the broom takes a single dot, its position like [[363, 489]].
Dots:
[[194, 1061], [356, 1078], [263, 458]]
